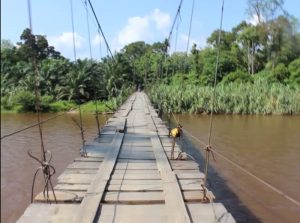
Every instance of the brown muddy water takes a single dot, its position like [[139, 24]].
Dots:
[[268, 146], [62, 138]]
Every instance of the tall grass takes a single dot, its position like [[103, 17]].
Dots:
[[259, 97]]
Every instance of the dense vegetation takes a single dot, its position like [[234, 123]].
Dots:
[[259, 71]]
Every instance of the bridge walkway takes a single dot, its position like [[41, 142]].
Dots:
[[128, 176]]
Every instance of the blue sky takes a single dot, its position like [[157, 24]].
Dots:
[[123, 22]]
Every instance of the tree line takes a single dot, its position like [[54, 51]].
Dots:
[[268, 51]]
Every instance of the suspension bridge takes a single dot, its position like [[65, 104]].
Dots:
[[127, 175]]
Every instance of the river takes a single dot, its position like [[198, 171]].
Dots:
[[267, 146]]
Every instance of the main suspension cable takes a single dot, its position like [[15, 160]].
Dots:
[[88, 27], [99, 26], [73, 33], [190, 27], [29, 14]]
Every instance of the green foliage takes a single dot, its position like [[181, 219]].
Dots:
[[237, 76], [280, 73], [58, 106], [251, 56], [26, 100], [294, 69], [261, 97]]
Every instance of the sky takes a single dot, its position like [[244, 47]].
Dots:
[[123, 22]]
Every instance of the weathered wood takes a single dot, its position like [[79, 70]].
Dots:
[[127, 177], [173, 196], [81, 171], [89, 205], [133, 182], [70, 178], [210, 213], [136, 166], [61, 197], [72, 187], [145, 172], [135, 187], [134, 197], [137, 176], [88, 159], [133, 213], [84, 165], [37, 213], [190, 175], [197, 196]]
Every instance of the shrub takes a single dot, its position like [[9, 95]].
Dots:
[[26, 100]]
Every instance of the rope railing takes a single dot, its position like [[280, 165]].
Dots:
[[238, 166]]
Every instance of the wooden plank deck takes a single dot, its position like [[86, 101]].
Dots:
[[128, 177]]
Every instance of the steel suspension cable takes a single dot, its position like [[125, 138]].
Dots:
[[73, 32], [99, 27], [190, 27], [208, 147], [100, 45], [88, 27], [29, 14], [174, 21]]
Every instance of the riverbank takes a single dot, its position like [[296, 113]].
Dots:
[[65, 106], [260, 97]]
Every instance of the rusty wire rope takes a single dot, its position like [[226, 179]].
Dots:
[[47, 169], [208, 147]]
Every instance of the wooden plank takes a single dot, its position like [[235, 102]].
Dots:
[[137, 148], [137, 155], [37, 213], [88, 159], [75, 178], [89, 204], [72, 187], [135, 187], [137, 176], [135, 166], [194, 184], [133, 182], [134, 197], [133, 213], [145, 172], [122, 161], [197, 196], [173, 196], [84, 165], [61, 196], [210, 213], [80, 171], [190, 175]]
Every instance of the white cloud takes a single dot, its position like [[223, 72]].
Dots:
[[66, 40], [97, 40], [161, 19], [136, 29], [182, 43], [64, 44], [146, 28], [254, 19]]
